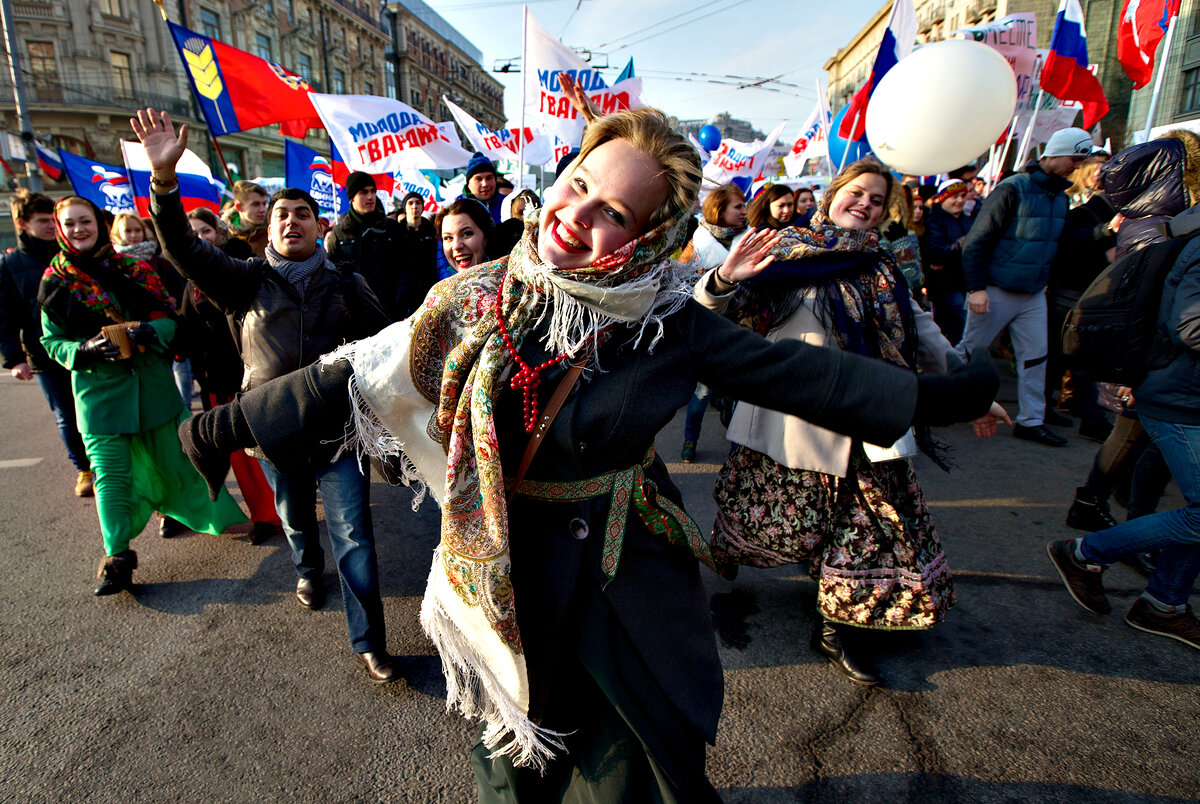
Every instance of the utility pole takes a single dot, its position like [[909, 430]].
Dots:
[[18, 80]]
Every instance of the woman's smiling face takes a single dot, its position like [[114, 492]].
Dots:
[[79, 226], [859, 203], [462, 241], [599, 206]]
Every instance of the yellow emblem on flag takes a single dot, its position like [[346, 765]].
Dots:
[[206, 77]]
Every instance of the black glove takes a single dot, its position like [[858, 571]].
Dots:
[[208, 438], [963, 395], [142, 334], [97, 349]]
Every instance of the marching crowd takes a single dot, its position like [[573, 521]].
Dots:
[[515, 357]]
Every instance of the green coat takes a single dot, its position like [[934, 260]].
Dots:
[[128, 397]]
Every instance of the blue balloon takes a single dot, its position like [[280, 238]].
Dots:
[[710, 137], [842, 150]]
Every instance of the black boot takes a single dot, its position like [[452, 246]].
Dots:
[[828, 642], [1089, 513], [116, 573]]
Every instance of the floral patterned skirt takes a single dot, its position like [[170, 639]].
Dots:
[[877, 561]]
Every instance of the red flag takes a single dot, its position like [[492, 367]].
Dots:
[[238, 91], [1143, 24]]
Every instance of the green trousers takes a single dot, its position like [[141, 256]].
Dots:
[[136, 475]]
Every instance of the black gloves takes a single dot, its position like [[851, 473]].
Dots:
[[142, 334], [97, 349], [963, 395], [208, 438]]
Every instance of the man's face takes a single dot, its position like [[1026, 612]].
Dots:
[[40, 226], [413, 208], [1061, 166], [293, 229], [364, 201], [254, 209], [483, 186]]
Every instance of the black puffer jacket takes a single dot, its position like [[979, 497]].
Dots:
[[1150, 183]]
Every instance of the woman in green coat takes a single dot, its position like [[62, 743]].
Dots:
[[128, 408]]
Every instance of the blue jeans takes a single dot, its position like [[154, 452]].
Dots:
[[697, 405], [1175, 533], [345, 491], [56, 387]]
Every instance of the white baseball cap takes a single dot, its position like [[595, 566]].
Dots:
[[1068, 142]]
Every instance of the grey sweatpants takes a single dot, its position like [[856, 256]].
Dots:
[[1025, 316]]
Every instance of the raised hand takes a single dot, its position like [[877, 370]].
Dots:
[[749, 256], [582, 103], [157, 135]]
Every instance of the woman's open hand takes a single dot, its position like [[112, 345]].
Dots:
[[749, 256], [582, 103], [157, 135], [985, 425]]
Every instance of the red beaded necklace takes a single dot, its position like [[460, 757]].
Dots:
[[529, 377]]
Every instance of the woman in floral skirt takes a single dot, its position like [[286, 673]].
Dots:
[[792, 491]]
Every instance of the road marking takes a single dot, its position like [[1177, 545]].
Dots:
[[20, 463]]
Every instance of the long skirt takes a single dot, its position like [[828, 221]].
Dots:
[[625, 741], [875, 556], [140, 473]]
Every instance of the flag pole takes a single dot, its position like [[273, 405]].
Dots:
[[524, 65], [1004, 153], [221, 156], [1029, 128], [1158, 80], [824, 124], [846, 152]]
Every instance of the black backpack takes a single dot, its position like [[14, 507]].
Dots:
[[1111, 334]]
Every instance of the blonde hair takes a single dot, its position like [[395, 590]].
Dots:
[[650, 131], [713, 206], [1085, 178], [114, 230]]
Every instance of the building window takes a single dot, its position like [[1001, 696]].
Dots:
[[273, 165], [289, 13], [111, 7], [122, 74], [1189, 98], [339, 82], [368, 88], [43, 69], [210, 24], [415, 96], [389, 82], [304, 66], [262, 47]]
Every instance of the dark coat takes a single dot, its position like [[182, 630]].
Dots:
[[1015, 236], [399, 267], [20, 315], [1085, 243], [281, 330], [942, 245], [607, 423], [1172, 393], [1151, 183]]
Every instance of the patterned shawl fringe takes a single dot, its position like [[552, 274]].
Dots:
[[475, 690], [369, 438]]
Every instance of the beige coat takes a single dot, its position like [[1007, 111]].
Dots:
[[794, 442]]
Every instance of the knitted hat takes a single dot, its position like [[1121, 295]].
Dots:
[[357, 181], [948, 189], [479, 164], [404, 203], [1068, 142]]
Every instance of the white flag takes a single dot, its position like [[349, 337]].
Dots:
[[382, 135], [733, 159], [545, 103], [414, 181], [813, 141], [504, 143]]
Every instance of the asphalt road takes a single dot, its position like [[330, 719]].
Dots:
[[209, 682]]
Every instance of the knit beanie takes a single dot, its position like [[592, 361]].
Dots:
[[479, 164], [357, 181], [949, 188]]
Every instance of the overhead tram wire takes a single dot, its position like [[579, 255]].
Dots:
[[672, 18], [675, 28]]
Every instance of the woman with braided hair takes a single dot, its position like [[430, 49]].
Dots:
[[565, 597], [126, 402]]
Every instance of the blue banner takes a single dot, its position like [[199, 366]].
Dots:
[[310, 171], [107, 186]]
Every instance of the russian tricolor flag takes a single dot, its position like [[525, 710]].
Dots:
[[898, 39], [1065, 74], [196, 187], [49, 162]]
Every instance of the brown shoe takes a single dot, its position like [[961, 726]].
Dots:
[[1082, 581], [1181, 625], [379, 667], [311, 594], [83, 485]]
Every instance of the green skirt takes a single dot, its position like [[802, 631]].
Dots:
[[140, 473]]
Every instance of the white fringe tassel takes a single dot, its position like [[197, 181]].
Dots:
[[476, 692]]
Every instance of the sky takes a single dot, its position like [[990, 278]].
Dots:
[[754, 38]]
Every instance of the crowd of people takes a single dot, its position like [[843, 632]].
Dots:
[[520, 372]]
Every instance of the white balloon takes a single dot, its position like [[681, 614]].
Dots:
[[941, 107]]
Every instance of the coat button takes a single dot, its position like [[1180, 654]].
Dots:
[[578, 528]]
